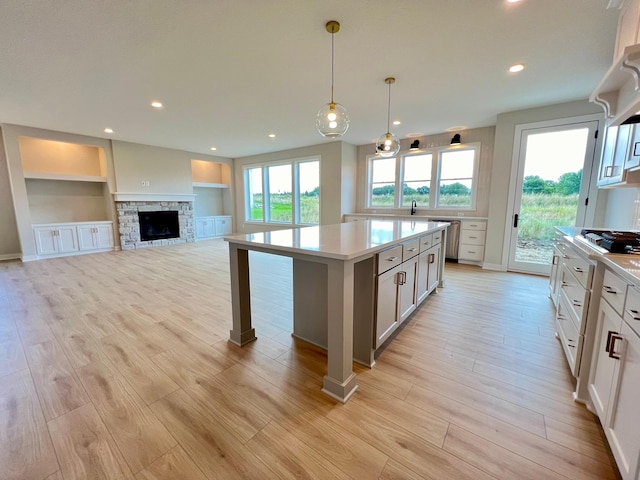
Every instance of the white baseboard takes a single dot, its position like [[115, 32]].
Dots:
[[29, 258], [10, 256], [494, 266]]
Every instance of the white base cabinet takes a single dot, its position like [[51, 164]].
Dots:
[[472, 240], [214, 226], [56, 240]]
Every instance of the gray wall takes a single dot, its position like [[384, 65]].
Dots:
[[9, 241]]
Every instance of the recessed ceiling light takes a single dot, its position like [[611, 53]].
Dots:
[[156, 104], [513, 1], [397, 122], [272, 135], [213, 148], [108, 130], [518, 67]]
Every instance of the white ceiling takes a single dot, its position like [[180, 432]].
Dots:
[[230, 72]]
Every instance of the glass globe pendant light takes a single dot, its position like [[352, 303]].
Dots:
[[388, 144], [332, 120]]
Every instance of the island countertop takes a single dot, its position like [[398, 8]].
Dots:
[[342, 241]]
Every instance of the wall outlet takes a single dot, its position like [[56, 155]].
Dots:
[[144, 183], [460, 214]]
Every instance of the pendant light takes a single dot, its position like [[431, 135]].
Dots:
[[332, 120], [388, 144]]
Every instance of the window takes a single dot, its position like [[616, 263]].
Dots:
[[383, 182], [456, 178], [416, 183], [283, 192], [437, 178]]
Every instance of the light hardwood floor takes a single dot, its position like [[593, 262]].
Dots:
[[117, 366]]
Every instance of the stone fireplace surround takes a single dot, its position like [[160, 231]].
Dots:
[[129, 226]]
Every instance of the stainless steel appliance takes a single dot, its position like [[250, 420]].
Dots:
[[453, 238]]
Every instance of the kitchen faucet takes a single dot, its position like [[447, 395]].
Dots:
[[413, 207]]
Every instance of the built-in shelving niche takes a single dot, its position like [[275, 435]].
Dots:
[[65, 182], [211, 182]]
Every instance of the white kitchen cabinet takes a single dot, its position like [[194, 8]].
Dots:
[[56, 240], [624, 419], [95, 236], [613, 382], [618, 165], [223, 225], [205, 227], [554, 277], [472, 241], [64, 239], [213, 226], [603, 365], [407, 288]]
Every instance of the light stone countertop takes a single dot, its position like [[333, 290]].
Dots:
[[419, 217], [342, 241], [626, 265]]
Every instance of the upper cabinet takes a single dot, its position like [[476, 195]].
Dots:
[[52, 160], [619, 165], [210, 174]]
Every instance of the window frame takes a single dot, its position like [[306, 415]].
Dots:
[[266, 193], [434, 182]]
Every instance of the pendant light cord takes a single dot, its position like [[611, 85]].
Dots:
[[332, 34], [389, 111]]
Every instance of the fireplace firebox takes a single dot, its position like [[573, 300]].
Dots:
[[159, 225]]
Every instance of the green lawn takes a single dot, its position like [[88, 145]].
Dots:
[[281, 209]]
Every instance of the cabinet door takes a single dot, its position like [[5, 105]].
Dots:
[[386, 304], [46, 241], [407, 288], [86, 237], [104, 236], [613, 170], [67, 239], [223, 226], [434, 268], [201, 225], [422, 277], [633, 159], [603, 365], [554, 278], [622, 431], [606, 162]]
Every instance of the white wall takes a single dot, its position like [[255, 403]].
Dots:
[[55, 201], [9, 241], [208, 202], [623, 209], [502, 164]]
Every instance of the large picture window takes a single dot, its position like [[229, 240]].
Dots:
[[283, 192], [437, 178]]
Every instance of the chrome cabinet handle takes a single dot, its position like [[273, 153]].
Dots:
[[564, 284], [412, 249], [402, 278], [391, 259], [576, 303], [635, 314], [432, 257], [608, 289], [608, 171], [578, 269]]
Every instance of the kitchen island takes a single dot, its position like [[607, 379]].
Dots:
[[334, 285]]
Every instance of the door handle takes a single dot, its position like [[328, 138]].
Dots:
[[515, 221]]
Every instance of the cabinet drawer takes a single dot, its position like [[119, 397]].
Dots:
[[425, 242], [410, 249], [576, 296], [471, 252], [569, 337], [614, 290], [472, 237], [389, 258], [632, 309], [437, 238], [473, 225], [580, 267]]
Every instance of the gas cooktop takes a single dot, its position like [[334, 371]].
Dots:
[[614, 241]]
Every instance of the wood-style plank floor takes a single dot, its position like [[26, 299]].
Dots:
[[117, 366]]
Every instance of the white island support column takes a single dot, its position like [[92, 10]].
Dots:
[[340, 381]]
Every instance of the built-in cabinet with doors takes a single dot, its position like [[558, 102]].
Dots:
[[615, 369], [620, 162], [406, 274], [213, 203], [68, 195]]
